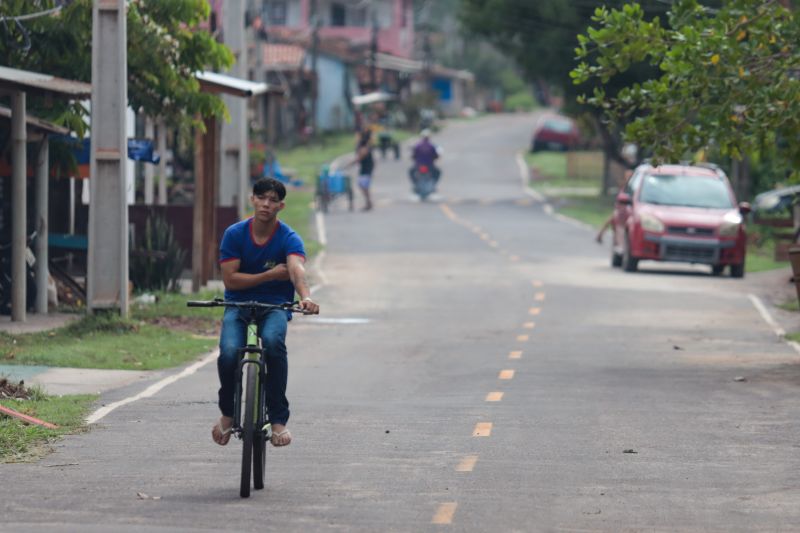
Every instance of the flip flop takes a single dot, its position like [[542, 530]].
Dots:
[[276, 436], [221, 435]]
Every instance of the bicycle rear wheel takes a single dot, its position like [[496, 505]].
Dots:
[[248, 427]]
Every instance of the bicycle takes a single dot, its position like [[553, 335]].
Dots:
[[251, 424]]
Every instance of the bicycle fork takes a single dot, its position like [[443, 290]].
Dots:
[[252, 355]]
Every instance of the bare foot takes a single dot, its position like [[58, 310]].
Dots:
[[221, 432], [280, 435]]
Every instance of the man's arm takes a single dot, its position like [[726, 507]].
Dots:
[[297, 273], [237, 281]]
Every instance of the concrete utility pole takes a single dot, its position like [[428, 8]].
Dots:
[[234, 183], [149, 168], [162, 164], [107, 276], [42, 231], [19, 205]]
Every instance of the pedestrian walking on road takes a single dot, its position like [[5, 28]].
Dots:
[[366, 164], [262, 259]]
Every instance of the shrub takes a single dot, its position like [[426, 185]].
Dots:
[[157, 260]]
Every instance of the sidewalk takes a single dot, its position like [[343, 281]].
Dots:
[[57, 380]]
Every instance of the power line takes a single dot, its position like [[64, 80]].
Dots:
[[37, 14]]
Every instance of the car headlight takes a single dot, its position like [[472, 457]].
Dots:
[[730, 224], [651, 223]]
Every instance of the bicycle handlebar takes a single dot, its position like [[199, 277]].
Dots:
[[292, 307]]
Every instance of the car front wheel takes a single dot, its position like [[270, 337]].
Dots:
[[737, 271], [629, 263]]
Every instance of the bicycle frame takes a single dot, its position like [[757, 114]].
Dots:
[[251, 354]]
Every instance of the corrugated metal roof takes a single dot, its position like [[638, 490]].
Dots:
[[283, 56], [221, 83], [399, 64], [36, 123], [12, 78]]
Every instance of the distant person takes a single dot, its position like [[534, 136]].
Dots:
[[609, 222], [366, 164], [425, 154]]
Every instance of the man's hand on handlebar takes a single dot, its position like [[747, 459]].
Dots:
[[309, 306]]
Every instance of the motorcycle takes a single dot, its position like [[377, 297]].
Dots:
[[424, 181], [5, 276]]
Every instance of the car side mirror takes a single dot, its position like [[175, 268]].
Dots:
[[624, 198], [745, 208]]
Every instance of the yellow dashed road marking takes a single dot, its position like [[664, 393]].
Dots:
[[539, 297], [514, 258], [467, 463], [534, 310], [448, 212], [516, 354], [482, 429], [522, 338], [494, 396], [444, 514], [493, 244], [506, 374], [529, 325], [537, 283]]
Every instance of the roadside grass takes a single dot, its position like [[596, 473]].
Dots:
[[791, 305], [20, 442], [156, 336], [554, 172]]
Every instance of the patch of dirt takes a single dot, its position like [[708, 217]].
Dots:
[[197, 326], [15, 391]]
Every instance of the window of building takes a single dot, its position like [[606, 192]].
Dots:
[[338, 15], [277, 13]]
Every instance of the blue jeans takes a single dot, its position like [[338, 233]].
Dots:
[[272, 330]]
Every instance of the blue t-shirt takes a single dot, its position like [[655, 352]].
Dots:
[[238, 243]]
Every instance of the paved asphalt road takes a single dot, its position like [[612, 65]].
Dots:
[[497, 375]]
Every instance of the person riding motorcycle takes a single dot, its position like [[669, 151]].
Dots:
[[425, 154]]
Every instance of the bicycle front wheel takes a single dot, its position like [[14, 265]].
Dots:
[[248, 427], [260, 441]]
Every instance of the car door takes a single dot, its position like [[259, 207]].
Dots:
[[623, 207]]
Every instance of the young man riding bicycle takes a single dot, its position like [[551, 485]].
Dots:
[[262, 259]]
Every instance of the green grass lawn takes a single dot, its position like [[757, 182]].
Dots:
[[553, 174], [24, 442]]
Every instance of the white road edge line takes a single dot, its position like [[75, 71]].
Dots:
[[762, 310], [539, 197], [779, 331], [524, 174], [765, 314], [152, 389]]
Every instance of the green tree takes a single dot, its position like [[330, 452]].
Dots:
[[541, 37], [164, 52], [729, 77]]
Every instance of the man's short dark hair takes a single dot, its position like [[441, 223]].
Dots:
[[264, 185]]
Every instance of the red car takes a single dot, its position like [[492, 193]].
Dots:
[[685, 213], [555, 132]]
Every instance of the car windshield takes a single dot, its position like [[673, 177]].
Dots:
[[686, 191], [560, 126]]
